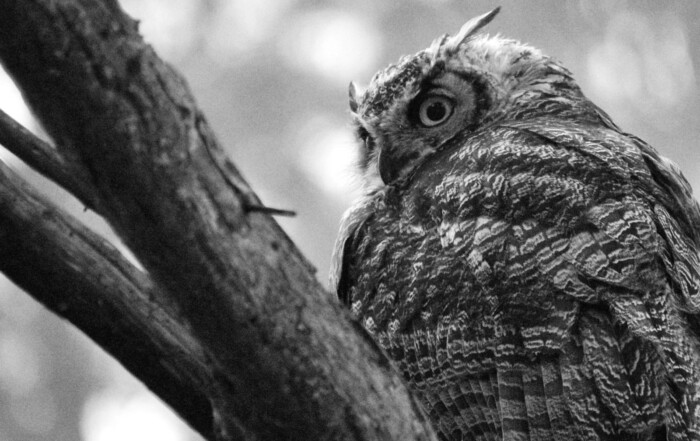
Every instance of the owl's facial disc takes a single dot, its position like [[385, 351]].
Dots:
[[440, 108], [416, 107]]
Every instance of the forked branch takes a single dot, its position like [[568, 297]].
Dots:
[[45, 159], [273, 353], [81, 277]]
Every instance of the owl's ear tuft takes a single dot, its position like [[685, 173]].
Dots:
[[354, 93], [470, 28]]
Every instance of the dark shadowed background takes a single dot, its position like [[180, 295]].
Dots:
[[272, 76]]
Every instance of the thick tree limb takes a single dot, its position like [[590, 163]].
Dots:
[[284, 359], [79, 276]]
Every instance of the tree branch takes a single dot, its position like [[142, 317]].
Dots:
[[81, 277], [285, 360], [45, 159]]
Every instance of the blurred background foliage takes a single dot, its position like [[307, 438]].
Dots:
[[272, 76]]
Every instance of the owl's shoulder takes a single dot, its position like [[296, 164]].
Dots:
[[547, 181]]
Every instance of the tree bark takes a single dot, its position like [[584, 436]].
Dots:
[[228, 323], [82, 278]]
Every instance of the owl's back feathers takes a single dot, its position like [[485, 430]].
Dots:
[[536, 277]]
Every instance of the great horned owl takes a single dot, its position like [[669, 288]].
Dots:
[[531, 268]]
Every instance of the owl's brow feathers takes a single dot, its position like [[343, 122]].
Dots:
[[395, 77]]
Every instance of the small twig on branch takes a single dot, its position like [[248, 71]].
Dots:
[[45, 159], [269, 210]]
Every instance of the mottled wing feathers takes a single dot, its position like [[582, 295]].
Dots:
[[534, 282]]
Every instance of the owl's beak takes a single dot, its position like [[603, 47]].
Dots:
[[386, 172], [391, 166]]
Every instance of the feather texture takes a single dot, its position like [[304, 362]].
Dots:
[[536, 276]]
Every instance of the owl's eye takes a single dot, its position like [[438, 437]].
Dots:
[[435, 110]]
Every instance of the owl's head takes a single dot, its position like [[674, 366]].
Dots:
[[458, 85]]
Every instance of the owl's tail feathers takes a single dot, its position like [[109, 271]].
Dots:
[[532, 405], [606, 384], [466, 409]]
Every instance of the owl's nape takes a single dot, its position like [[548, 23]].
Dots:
[[531, 269]]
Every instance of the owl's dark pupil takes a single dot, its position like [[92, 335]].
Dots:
[[436, 111]]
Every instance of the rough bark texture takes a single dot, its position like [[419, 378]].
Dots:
[[257, 335], [82, 278]]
